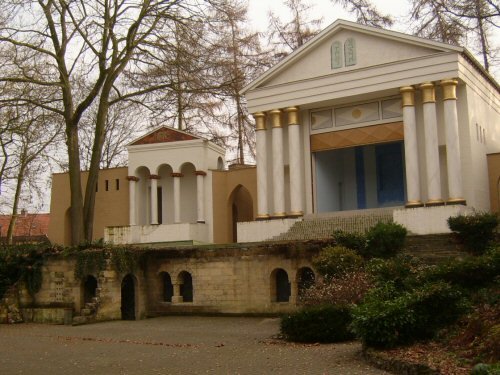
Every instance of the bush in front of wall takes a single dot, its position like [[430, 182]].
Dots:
[[335, 261], [402, 270], [471, 272], [403, 318], [385, 240], [476, 231], [353, 241], [325, 323]]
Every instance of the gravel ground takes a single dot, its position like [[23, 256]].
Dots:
[[170, 345]]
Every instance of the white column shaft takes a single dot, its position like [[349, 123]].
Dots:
[[278, 173], [132, 206], [453, 150], [296, 185], [432, 153], [177, 199], [200, 198], [261, 159], [154, 201], [411, 155]]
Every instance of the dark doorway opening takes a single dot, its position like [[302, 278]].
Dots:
[[168, 288], [128, 298], [89, 289], [282, 285], [186, 286]]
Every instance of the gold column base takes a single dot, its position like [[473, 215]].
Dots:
[[279, 215], [295, 214], [434, 202], [413, 204], [453, 201], [263, 217]]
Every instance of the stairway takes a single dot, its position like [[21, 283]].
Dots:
[[321, 226], [88, 313]]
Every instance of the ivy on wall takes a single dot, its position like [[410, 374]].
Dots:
[[93, 261], [23, 263]]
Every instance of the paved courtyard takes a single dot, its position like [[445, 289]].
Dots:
[[170, 345]]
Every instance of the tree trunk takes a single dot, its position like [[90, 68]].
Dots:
[[76, 209], [17, 195], [482, 37], [93, 176]]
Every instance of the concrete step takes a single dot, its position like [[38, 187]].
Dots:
[[80, 320], [324, 225], [86, 312]]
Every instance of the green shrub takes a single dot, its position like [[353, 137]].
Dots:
[[476, 231], [403, 270], [318, 324], [481, 369], [353, 241], [469, 273], [407, 317], [336, 261], [385, 240]]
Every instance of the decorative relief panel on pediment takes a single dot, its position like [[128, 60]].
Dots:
[[164, 135]]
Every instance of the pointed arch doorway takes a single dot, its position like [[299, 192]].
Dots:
[[240, 209]]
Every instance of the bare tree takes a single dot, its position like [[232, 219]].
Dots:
[[240, 60], [365, 12], [89, 48], [32, 131], [286, 37], [459, 22]]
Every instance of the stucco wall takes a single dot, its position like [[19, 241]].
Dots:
[[111, 206], [224, 184], [494, 178]]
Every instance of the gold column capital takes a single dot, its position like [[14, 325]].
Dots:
[[428, 92], [408, 96], [260, 120], [275, 118], [293, 115], [449, 89]]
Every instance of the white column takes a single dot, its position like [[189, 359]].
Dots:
[[261, 159], [132, 181], [455, 193], [177, 197], [154, 199], [294, 156], [431, 145], [200, 196], [278, 168], [411, 148]]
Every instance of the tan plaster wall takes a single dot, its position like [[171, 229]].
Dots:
[[224, 184], [494, 179], [111, 207]]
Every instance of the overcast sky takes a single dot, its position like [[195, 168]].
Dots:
[[259, 9], [258, 14]]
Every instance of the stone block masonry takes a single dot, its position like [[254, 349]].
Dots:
[[246, 279]]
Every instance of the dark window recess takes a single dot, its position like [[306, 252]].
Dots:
[[160, 211], [107, 185], [117, 184]]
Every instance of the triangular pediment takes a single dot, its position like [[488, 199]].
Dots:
[[164, 135], [358, 47]]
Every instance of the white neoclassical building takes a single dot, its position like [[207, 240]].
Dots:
[[366, 118], [357, 119], [170, 188]]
